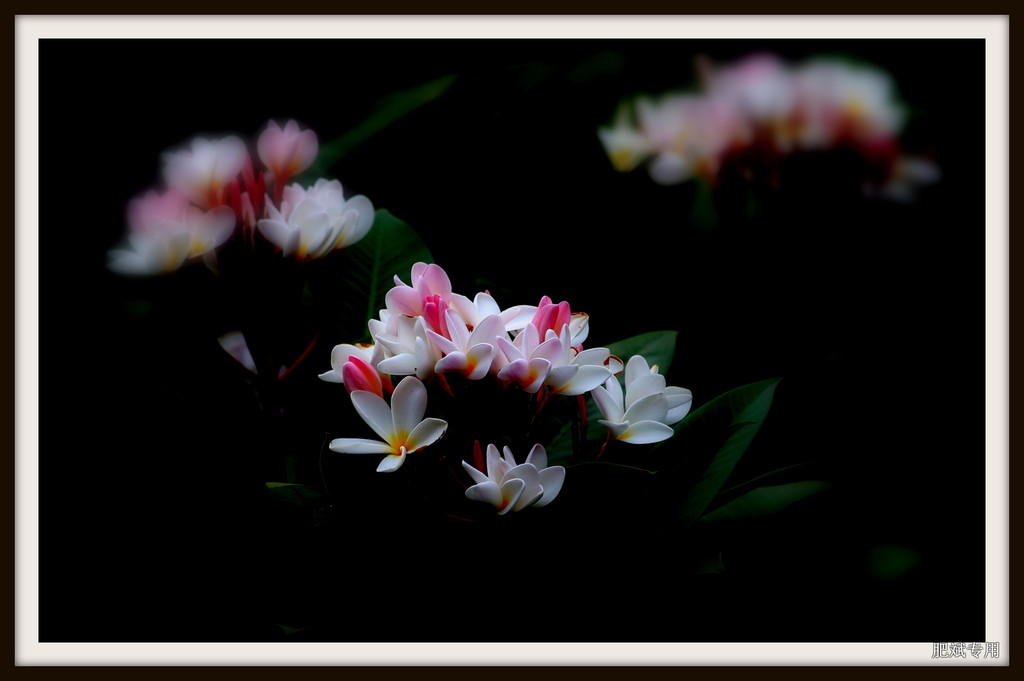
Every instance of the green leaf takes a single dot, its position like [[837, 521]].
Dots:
[[657, 347], [733, 419], [391, 247], [387, 111], [765, 500]]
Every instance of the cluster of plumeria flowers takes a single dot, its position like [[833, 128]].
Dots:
[[215, 191], [427, 333], [763, 108]]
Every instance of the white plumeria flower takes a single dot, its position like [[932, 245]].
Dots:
[[511, 487], [165, 231], [408, 350], [402, 426], [313, 222], [647, 410], [203, 171], [470, 353]]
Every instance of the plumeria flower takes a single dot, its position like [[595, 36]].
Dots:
[[470, 353], [430, 285], [408, 351], [511, 487], [367, 353], [204, 170], [529, 359], [286, 152], [483, 305], [626, 146], [401, 425], [647, 410], [313, 222], [165, 231]]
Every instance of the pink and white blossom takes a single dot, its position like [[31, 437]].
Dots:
[[401, 425], [468, 352], [287, 151], [165, 231]]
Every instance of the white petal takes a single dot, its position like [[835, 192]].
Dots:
[[679, 402], [408, 404], [538, 456], [606, 403], [280, 234], [635, 368], [651, 408], [426, 433], [331, 376], [375, 412], [399, 365], [511, 492], [392, 463], [487, 492], [234, 344], [646, 432], [478, 477], [651, 384], [551, 479], [350, 445]]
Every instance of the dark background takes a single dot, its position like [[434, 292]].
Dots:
[[152, 527]]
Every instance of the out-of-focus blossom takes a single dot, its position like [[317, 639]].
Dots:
[[689, 135], [313, 222], [287, 151], [647, 410], [165, 231], [836, 100], [401, 425], [753, 113], [511, 487], [203, 171], [234, 344], [625, 145]]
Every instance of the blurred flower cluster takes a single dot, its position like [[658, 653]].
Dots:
[[494, 372], [754, 113], [214, 191]]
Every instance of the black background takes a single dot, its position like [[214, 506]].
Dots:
[[872, 313]]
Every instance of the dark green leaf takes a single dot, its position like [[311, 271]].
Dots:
[[765, 500], [386, 112], [390, 248], [732, 419], [657, 347]]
